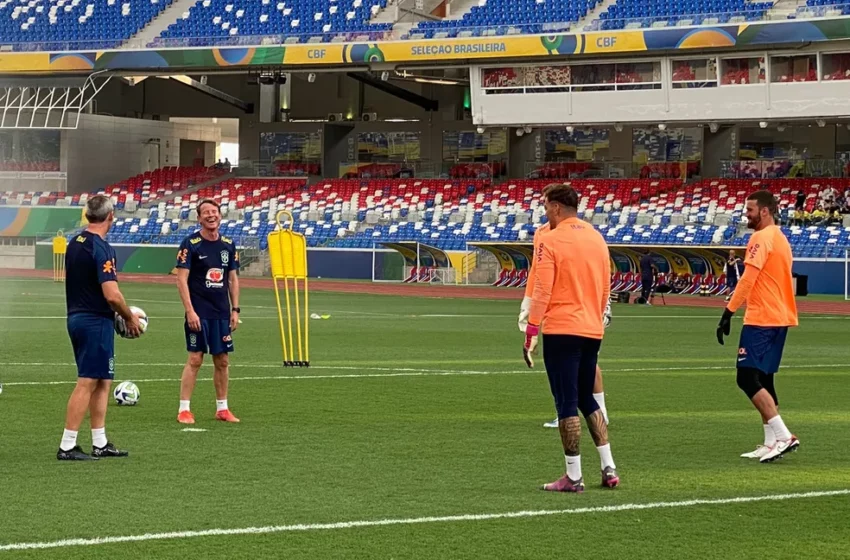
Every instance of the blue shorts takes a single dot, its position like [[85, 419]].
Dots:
[[215, 337], [93, 340], [761, 347], [571, 367]]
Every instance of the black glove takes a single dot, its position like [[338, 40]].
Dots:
[[725, 325]]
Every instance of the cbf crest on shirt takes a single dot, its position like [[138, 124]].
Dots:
[[209, 264]]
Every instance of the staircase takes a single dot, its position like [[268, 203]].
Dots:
[[460, 8], [388, 14], [783, 8], [156, 26], [196, 187], [590, 21]]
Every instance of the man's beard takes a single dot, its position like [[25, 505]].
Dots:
[[754, 223]]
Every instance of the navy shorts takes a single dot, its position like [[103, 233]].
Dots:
[[93, 340], [571, 368], [761, 347], [215, 337]]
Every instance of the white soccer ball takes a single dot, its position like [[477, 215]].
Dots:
[[126, 393], [121, 324]]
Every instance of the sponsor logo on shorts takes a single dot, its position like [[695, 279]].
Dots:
[[193, 340], [111, 365], [227, 338], [742, 351], [215, 278]]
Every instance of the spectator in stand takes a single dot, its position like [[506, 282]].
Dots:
[[827, 197], [820, 215], [801, 201]]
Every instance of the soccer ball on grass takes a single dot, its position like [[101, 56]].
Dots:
[[126, 394]]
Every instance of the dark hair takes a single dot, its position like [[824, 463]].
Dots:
[[764, 199], [207, 201], [98, 208], [562, 194]]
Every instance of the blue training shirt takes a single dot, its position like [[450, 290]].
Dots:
[[89, 262], [209, 264]]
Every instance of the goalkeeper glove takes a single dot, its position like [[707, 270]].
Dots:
[[530, 346], [725, 325], [524, 311], [606, 315]]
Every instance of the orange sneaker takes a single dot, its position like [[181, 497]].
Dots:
[[186, 417], [226, 416]]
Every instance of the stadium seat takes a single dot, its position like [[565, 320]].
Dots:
[[249, 22], [55, 25]]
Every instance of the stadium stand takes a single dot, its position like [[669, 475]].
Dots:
[[635, 14], [141, 189], [503, 17], [216, 22], [448, 213], [38, 25]]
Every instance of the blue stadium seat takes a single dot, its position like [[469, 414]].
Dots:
[[74, 24], [243, 22]]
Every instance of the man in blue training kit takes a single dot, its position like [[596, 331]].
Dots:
[[93, 299], [207, 279]]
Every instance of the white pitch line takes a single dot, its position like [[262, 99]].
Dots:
[[385, 373], [302, 527]]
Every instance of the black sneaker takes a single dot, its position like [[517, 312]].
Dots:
[[108, 451], [75, 454]]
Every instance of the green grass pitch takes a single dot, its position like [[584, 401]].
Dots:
[[419, 408]]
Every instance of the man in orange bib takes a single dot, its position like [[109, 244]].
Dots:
[[571, 290], [525, 308], [768, 291]]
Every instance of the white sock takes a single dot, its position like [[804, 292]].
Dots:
[[769, 436], [220, 405], [600, 400], [184, 406], [605, 456], [782, 433], [573, 467], [98, 437], [69, 440]]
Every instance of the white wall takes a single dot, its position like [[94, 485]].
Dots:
[[104, 149], [769, 101]]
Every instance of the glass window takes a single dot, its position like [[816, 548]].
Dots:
[[595, 77], [638, 75], [695, 73], [530, 79], [388, 146], [787, 69], [742, 71], [835, 66], [502, 77], [672, 153], [582, 144], [292, 153], [472, 146], [29, 150]]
